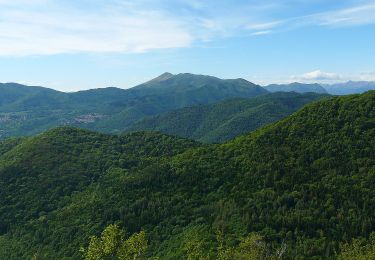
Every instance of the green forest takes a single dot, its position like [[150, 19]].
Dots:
[[299, 188], [222, 121]]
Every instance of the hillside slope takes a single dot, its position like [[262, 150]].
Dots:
[[225, 120], [31, 110], [306, 181]]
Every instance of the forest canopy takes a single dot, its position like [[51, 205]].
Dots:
[[304, 184]]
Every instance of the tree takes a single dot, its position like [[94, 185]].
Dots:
[[113, 245], [358, 250], [252, 247], [135, 247], [195, 246]]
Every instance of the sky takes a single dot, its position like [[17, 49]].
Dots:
[[73, 45]]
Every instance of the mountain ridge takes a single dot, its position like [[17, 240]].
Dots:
[[31, 110], [296, 87], [350, 87], [111, 110]]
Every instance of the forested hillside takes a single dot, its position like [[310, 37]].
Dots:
[[305, 182], [30, 110], [225, 120]]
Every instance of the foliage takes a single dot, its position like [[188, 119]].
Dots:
[[251, 247], [8, 144], [225, 120], [113, 245], [303, 184], [358, 249]]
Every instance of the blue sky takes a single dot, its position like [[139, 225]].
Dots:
[[80, 44]]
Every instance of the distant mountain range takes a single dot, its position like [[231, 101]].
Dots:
[[350, 87], [27, 110], [296, 87]]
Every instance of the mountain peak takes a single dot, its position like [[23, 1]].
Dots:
[[162, 77]]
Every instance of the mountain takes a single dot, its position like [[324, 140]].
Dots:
[[305, 182], [204, 88], [296, 87], [350, 87], [31, 110], [169, 92], [11, 92], [227, 119], [17, 97]]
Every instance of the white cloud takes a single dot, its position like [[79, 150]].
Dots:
[[358, 15], [263, 26], [317, 75], [258, 33], [43, 27], [51, 28], [353, 16], [367, 76]]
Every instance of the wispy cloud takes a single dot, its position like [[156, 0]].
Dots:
[[48, 27], [367, 76], [352, 16], [357, 15], [43, 27], [317, 76], [258, 33], [264, 26]]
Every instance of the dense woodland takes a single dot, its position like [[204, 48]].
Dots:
[[303, 186], [222, 121]]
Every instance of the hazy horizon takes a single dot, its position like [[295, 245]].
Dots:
[[129, 87]]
